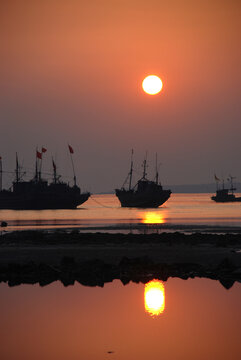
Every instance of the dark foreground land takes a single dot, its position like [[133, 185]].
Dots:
[[96, 258]]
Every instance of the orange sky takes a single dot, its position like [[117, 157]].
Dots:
[[71, 71]]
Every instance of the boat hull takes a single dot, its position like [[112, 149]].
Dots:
[[142, 200], [225, 200], [41, 201]]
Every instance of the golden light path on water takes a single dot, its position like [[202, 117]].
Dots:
[[154, 297], [153, 217]]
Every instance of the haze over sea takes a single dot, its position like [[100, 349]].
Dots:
[[103, 212]]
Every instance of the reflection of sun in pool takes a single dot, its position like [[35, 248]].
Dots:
[[152, 85], [154, 297], [152, 217]]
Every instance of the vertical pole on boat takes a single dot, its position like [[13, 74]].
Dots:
[[17, 169], [217, 181], [71, 151], [157, 175], [1, 173], [231, 183], [144, 166], [55, 174], [41, 159], [36, 166], [38, 169], [131, 169]]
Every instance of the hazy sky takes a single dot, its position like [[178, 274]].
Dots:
[[71, 72]]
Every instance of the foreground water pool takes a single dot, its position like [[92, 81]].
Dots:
[[187, 319]]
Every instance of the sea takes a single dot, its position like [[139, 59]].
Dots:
[[175, 319], [182, 212]]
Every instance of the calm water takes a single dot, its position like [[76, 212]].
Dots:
[[104, 211], [190, 319], [175, 320]]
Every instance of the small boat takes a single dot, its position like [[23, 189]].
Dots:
[[145, 194], [225, 194], [38, 194]]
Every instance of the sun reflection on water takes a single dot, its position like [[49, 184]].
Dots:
[[153, 217], [154, 297]]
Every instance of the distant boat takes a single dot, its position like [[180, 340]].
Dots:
[[38, 194], [225, 194], [145, 194]]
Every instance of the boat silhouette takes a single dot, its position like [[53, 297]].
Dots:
[[225, 194], [38, 194], [145, 194]]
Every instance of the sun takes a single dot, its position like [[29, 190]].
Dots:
[[152, 85]]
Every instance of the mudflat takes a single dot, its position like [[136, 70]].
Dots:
[[95, 258]]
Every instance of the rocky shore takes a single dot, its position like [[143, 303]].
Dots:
[[29, 257]]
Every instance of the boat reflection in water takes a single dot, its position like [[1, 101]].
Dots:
[[153, 217], [154, 297]]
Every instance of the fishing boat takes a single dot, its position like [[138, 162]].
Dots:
[[145, 194], [225, 194], [38, 194]]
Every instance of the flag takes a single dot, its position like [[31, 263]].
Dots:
[[43, 150], [54, 166], [38, 155], [71, 149], [216, 178]]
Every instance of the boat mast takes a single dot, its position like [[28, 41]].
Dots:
[[43, 150], [40, 166], [36, 166], [131, 169], [144, 167], [223, 183], [217, 181], [36, 170], [157, 175], [55, 173], [71, 151], [17, 169], [231, 183]]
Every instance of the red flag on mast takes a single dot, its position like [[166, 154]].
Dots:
[[43, 150], [38, 155], [71, 149]]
